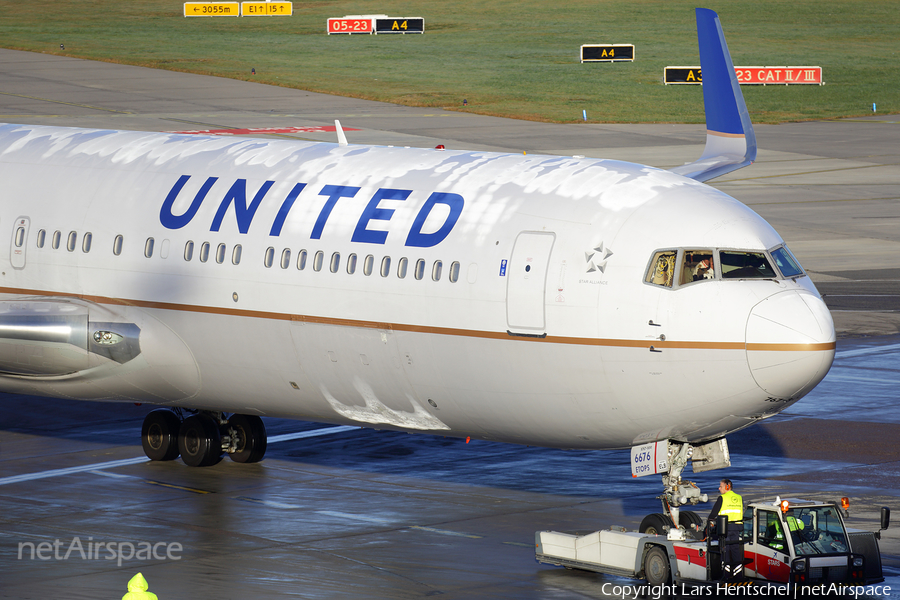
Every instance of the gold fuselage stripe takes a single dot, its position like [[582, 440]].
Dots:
[[473, 333]]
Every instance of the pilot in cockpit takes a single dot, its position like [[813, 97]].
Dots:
[[697, 266]]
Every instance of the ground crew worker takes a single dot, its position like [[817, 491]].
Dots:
[[731, 505], [137, 589], [795, 526]]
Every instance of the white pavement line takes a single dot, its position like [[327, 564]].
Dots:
[[864, 351], [445, 532], [286, 437], [112, 475], [269, 503], [352, 517], [134, 461], [59, 472]]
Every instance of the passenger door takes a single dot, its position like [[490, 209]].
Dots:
[[527, 282]]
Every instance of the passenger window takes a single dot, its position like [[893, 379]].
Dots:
[[220, 253], [204, 252], [41, 237], [236, 255], [786, 262], [285, 258], [385, 266], [269, 259], [318, 259], [351, 264], [20, 237], [436, 270], [86, 242], [368, 265], [745, 265], [71, 240], [189, 251], [301, 260], [454, 272], [420, 269], [697, 265], [148, 247], [335, 262], [402, 266], [117, 245], [54, 242], [662, 268]]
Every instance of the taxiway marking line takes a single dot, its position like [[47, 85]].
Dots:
[[112, 110], [270, 503], [445, 532], [134, 461], [286, 437], [352, 517], [865, 351], [69, 471]]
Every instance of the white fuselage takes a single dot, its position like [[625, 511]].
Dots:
[[529, 319]]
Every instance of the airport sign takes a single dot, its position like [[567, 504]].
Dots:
[[267, 9], [400, 25], [375, 24], [751, 75], [607, 52], [352, 24], [212, 9]]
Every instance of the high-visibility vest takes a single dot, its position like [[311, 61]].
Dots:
[[794, 524], [732, 507]]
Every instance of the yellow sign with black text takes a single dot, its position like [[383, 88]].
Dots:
[[267, 9], [212, 9]]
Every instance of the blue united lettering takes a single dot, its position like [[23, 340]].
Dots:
[[243, 202]]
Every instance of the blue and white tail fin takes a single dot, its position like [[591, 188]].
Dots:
[[730, 141]]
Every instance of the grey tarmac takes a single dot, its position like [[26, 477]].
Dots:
[[351, 513]]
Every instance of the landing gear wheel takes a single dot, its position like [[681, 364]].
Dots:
[[159, 434], [199, 441], [687, 518], [653, 524], [656, 566], [251, 438]]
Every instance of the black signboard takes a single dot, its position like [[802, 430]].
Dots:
[[400, 25], [607, 52]]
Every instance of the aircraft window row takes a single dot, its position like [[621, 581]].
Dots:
[[368, 264], [686, 266], [221, 252], [56, 239]]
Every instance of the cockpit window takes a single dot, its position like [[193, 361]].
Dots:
[[786, 262], [697, 266], [745, 265], [662, 268]]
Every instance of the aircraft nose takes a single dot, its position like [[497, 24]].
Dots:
[[790, 343]]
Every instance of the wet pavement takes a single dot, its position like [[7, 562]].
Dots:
[[350, 513]]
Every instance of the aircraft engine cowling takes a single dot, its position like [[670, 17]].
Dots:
[[71, 347]]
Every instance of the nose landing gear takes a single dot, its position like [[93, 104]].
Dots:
[[674, 522]]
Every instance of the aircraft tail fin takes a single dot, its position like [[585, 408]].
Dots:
[[730, 141]]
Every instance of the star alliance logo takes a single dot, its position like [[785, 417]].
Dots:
[[596, 259]]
